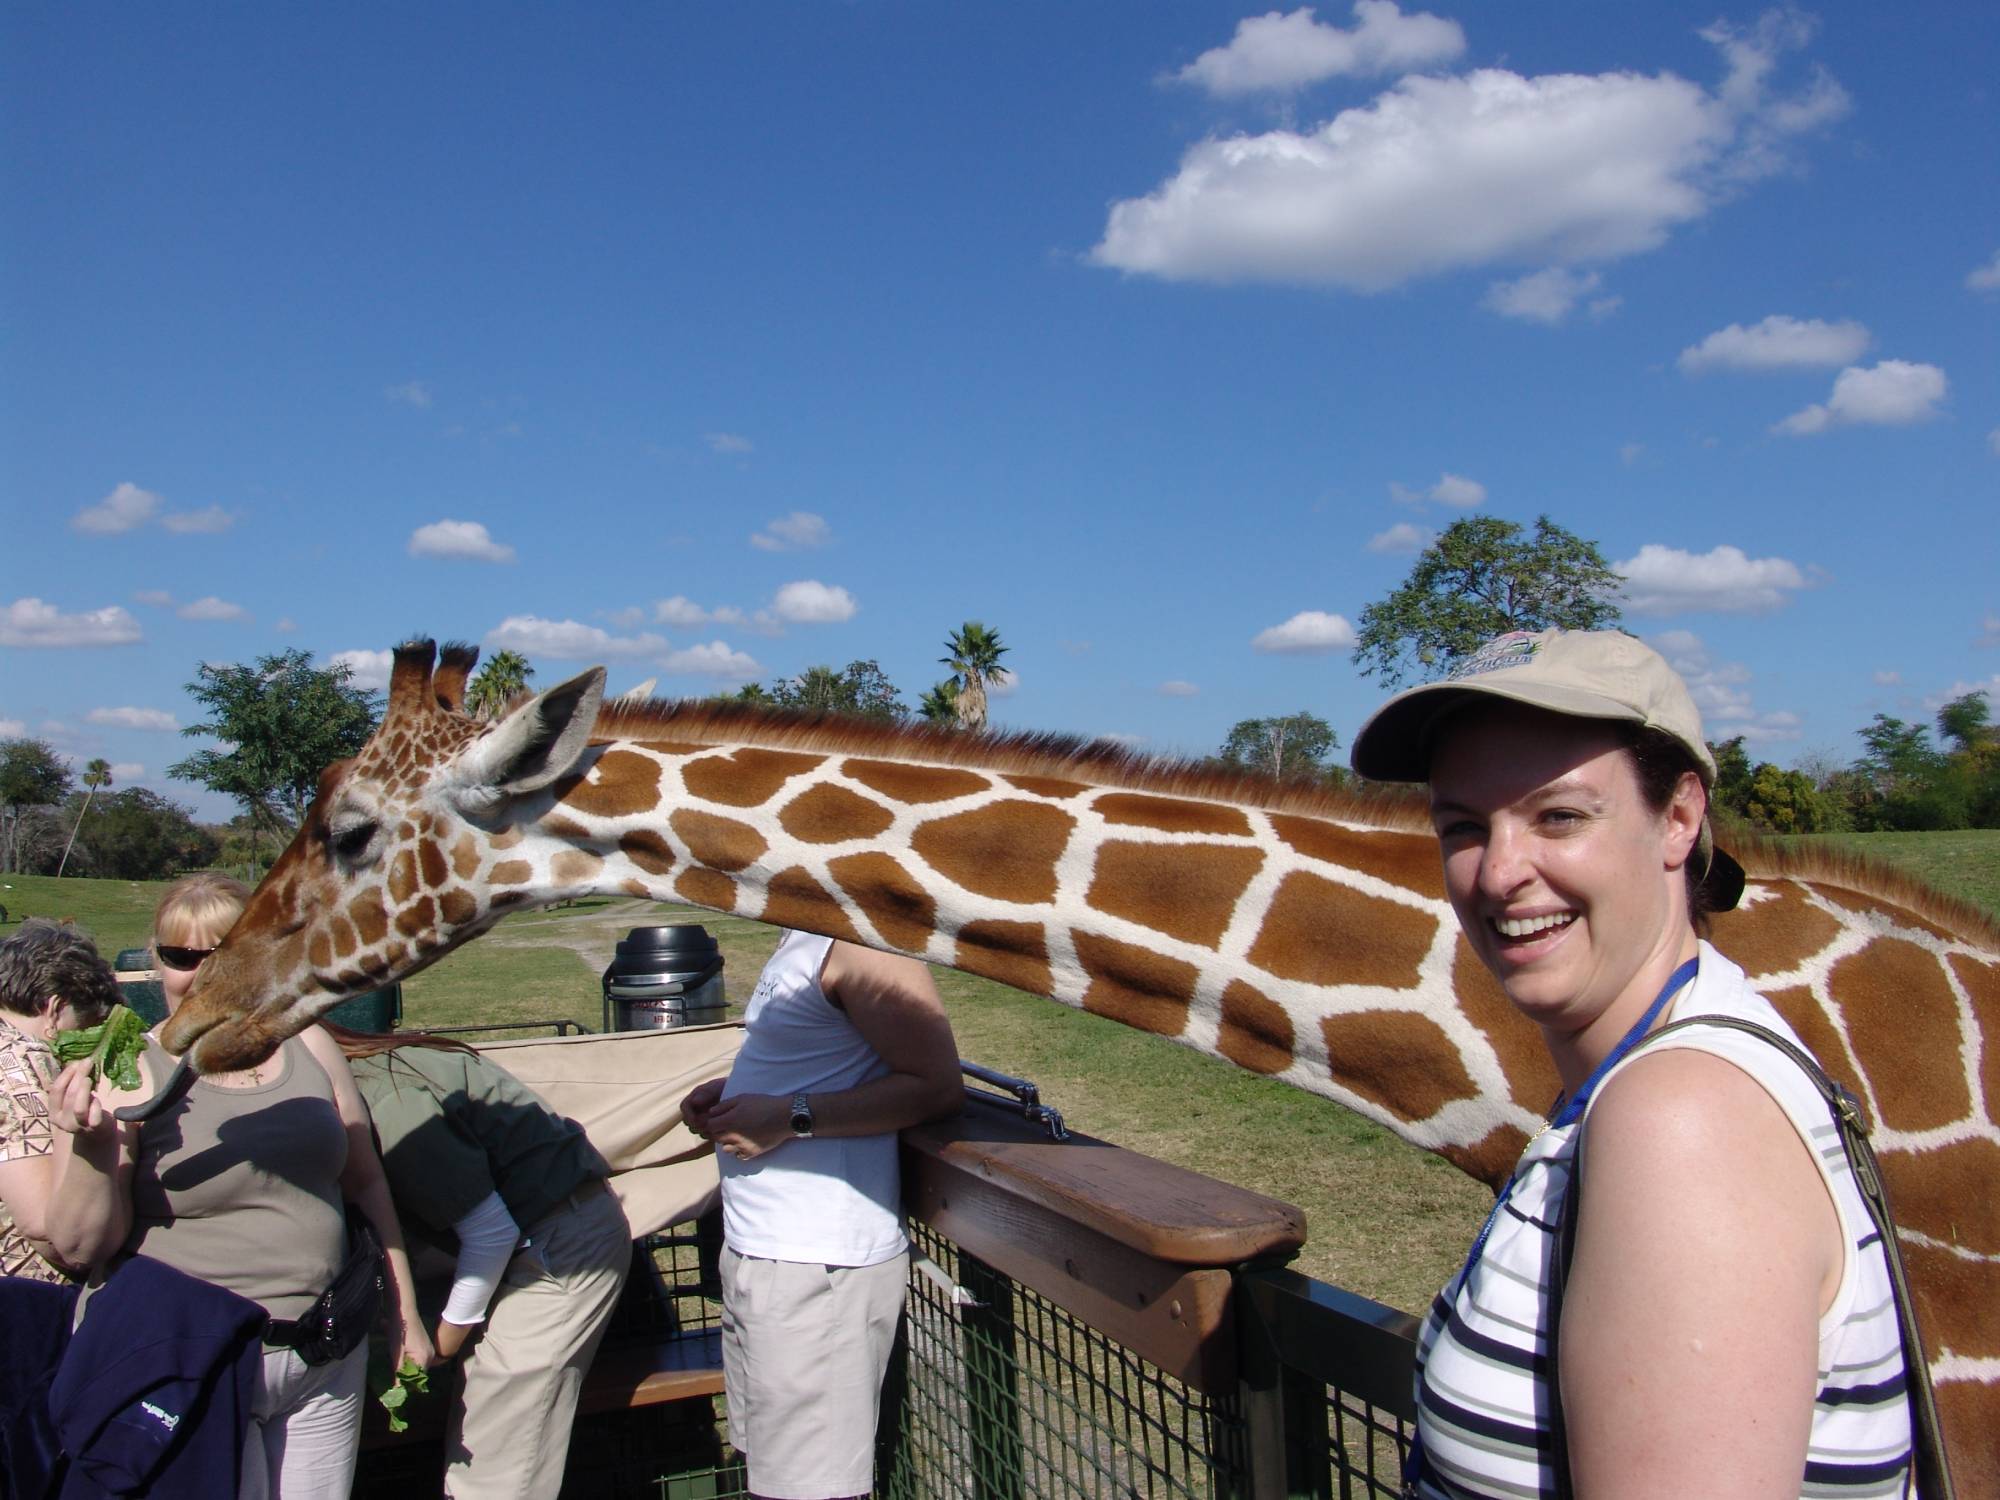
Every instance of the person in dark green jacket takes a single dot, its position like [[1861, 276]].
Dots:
[[477, 1160]]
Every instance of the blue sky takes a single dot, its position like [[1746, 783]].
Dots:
[[716, 341]]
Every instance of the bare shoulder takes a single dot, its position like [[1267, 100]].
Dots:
[[852, 973]]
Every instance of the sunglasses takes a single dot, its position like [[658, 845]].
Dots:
[[182, 958]]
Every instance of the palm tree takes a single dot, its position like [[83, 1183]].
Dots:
[[940, 704], [496, 684], [974, 661], [95, 775]]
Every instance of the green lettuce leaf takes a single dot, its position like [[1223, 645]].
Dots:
[[112, 1048]]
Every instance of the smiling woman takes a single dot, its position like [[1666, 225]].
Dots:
[[1722, 1262]]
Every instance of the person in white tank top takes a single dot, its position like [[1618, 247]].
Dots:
[[843, 1048]]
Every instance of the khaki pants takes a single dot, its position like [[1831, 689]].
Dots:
[[804, 1350], [304, 1431], [509, 1430]]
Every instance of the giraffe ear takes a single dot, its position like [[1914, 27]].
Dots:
[[536, 743]]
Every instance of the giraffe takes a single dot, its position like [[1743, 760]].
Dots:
[[1299, 934]]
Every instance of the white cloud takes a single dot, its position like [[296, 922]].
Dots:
[[1401, 538], [1288, 52], [1175, 688], [1887, 678], [1985, 278], [716, 659], [1484, 168], [679, 610], [1892, 393], [12, 729], [810, 602], [125, 772], [798, 532], [1667, 581], [410, 393], [1545, 297], [286, 625], [1004, 683], [1451, 489], [570, 640], [1989, 631], [729, 442], [33, 622], [1308, 630], [367, 670], [124, 508], [208, 521], [133, 718], [1778, 343], [466, 541], [1721, 692], [211, 608]]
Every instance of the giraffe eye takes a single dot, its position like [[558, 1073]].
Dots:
[[350, 842]]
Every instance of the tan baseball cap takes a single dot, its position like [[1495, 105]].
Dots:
[[1586, 674]]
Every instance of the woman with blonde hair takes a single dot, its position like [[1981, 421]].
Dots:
[[241, 1183]]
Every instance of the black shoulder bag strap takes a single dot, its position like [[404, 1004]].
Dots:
[[1933, 1472]]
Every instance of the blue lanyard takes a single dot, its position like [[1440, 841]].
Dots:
[[1567, 1111]]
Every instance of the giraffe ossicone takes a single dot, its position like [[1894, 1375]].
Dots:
[[1299, 934]]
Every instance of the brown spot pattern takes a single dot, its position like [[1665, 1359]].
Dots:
[[506, 838], [721, 843], [457, 908], [1256, 1033], [1399, 1060], [465, 857], [1804, 1015], [1982, 988], [1046, 786], [1409, 860], [1532, 1080], [512, 872], [556, 826], [1322, 933], [795, 899], [1012, 953], [620, 784], [833, 815], [1007, 850], [1189, 890], [1775, 935], [320, 951], [430, 857], [707, 888], [1874, 906], [648, 851], [345, 938], [416, 918], [370, 920], [1903, 1018], [1490, 1159], [574, 867], [915, 784], [403, 876], [746, 778], [901, 910], [1947, 1195], [1137, 986], [1170, 814]]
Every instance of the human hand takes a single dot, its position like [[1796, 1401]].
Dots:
[[451, 1339], [698, 1102], [407, 1337], [74, 1107], [748, 1125]]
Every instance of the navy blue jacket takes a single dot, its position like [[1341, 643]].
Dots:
[[154, 1391]]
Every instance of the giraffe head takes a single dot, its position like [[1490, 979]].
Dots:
[[381, 878]]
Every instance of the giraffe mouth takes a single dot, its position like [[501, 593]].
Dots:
[[216, 1044]]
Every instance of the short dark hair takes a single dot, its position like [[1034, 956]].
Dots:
[[1659, 761], [47, 959]]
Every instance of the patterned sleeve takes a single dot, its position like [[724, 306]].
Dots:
[[26, 1068]]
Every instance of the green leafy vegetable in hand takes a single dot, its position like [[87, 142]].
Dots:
[[410, 1376], [112, 1049]]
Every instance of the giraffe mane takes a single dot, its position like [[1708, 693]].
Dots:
[[1058, 756], [1827, 864]]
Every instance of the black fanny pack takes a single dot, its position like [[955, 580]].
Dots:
[[345, 1311]]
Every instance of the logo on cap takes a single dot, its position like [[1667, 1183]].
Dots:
[[1515, 649]]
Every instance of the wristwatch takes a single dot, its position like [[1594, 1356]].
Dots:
[[802, 1116]]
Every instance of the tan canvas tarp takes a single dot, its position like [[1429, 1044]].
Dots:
[[625, 1088]]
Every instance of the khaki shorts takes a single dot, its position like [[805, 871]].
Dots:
[[804, 1349]]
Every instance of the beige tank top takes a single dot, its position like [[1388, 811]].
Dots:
[[241, 1186]]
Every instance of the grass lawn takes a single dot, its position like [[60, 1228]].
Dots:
[[1965, 862]]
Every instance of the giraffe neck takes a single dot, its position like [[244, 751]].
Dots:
[[1313, 948]]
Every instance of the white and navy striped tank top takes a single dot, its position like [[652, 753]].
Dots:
[[1482, 1402]]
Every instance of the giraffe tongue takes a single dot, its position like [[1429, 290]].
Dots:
[[178, 1083]]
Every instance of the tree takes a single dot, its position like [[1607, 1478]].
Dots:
[[1295, 746], [1784, 801], [974, 662], [283, 721], [939, 704], [497, 683], [1964, 721], [95, 775], [859, 690], [139, 835], [31, 775], [1481, 578]]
